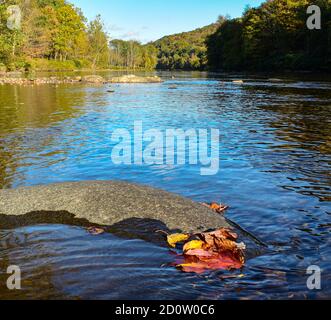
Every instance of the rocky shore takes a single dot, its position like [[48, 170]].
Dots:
[[15, 78]]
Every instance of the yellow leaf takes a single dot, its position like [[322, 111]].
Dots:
[[193, 245], [173, 239]]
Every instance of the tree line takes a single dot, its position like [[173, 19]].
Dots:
[[274, 36]]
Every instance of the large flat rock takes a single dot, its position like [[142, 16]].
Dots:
[[109, 203], [135, 79]]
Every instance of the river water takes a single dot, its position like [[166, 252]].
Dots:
[[275, 161]]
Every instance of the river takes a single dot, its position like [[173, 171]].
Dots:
[[275, 174]]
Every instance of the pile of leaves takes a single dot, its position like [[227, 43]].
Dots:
[[217, 250]]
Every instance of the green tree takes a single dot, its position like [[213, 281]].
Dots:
[[69, 32], [98, 43]]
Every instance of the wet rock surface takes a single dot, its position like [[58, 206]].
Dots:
[[135, 79], [109, 203], [92, 79]]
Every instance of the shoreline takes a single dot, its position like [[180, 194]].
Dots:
[[55, 78], [14, 79]]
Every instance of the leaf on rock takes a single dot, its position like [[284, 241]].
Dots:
[[219, 208], [193, 245], [173, 239], [221, 234]]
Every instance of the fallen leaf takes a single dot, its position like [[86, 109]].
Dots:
[[225, 245], [95, 230], [214, 206], [221, 261], [194, 267], [221, 234], [173, 239], [217, 250], [194, 244], [199, 253], [219, 208]]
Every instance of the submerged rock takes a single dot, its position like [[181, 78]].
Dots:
[[135, 79], [109, 203]]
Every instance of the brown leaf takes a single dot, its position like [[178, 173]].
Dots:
[[96, 231], [226, 245], [223, 234], [219, 208]]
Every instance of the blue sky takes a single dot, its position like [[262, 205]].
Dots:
[[147, 20]]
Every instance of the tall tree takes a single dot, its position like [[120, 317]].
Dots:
[[98, 43]]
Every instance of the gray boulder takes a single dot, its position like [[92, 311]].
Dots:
[[109, 202]]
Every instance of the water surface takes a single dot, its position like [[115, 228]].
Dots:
[[275, 162]]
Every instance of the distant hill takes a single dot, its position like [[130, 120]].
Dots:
[[185, 50]]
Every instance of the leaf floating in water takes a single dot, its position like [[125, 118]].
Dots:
[[96, 231], [219, 261], [217, 250], [173, 239], [200, 253]]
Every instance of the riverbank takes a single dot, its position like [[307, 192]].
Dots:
[[15, 78]]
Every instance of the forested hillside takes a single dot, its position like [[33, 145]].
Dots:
[[53, 34], [273, 36], [186, 50]]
